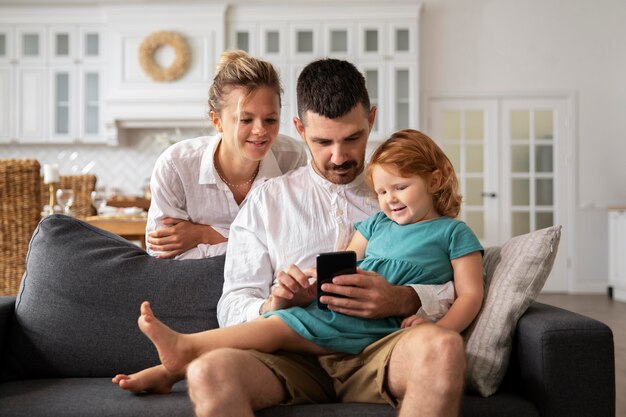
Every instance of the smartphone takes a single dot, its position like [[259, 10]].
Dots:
[[330, 265]]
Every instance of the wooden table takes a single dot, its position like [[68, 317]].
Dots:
[[128, 227]]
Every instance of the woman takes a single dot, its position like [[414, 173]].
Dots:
[[198, 184]]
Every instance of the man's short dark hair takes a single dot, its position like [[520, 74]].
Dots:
[[331, 88]]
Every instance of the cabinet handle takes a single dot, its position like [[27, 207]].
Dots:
[[489, 194]]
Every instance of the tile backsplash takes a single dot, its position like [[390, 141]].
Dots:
[[126, 167]]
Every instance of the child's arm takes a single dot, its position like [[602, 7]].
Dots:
[[468, 284], [358, 244]]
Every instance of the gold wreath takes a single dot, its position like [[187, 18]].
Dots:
[[181, 56]]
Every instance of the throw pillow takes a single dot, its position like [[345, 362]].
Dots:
[[77, 308], [514, 276]]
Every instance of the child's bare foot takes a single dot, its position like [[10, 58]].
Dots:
[[173, 354], [157, 380]]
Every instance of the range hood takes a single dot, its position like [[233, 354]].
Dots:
[[133, 99]]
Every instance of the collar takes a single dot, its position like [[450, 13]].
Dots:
[[208, 174]]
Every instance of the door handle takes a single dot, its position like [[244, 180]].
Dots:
[[489, 194]]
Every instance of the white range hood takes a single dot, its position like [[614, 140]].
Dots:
[[132, 98]]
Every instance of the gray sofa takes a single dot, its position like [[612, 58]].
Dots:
[[73, 326]]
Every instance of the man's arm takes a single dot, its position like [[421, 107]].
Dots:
[[248, 271]]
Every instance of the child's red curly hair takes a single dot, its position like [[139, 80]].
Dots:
[[409, 153]]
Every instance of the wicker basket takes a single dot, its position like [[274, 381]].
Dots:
[[82, 185], [20, 211]]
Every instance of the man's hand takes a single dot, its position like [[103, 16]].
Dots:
[[370, 295], [291, 289], [181, 235]]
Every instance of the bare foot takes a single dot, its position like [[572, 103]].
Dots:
[[172, 352], [157, 380]]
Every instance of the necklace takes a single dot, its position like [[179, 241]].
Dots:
[[246, 182]]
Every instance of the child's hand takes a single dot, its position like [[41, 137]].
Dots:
[[413, 321]]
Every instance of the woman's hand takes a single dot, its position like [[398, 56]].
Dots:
[[179, 236]]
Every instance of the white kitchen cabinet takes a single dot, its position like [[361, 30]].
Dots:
[[75, 85], [43, 94], [617, 253], [381, 40]]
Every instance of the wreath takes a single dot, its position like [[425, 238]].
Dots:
[[152, 43]]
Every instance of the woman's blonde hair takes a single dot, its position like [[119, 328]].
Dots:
[[411, 153], [238, 69]]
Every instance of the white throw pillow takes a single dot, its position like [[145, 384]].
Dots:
[[514, 276]]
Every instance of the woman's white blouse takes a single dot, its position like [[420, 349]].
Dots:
[[185, 185]]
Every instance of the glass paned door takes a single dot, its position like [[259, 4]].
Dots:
[[466, 131], [534, 193]]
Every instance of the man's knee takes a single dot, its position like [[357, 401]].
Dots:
[[215, 370]]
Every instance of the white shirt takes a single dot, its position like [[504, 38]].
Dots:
[[185, 185], [289, 220]]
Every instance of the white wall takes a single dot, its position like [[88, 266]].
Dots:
[[551, 46]]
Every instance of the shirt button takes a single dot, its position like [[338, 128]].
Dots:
[[333, 187], [339, 212]]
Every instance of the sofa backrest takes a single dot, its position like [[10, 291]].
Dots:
[[77, 308]]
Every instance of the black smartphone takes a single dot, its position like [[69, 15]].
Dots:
[[330, 265]]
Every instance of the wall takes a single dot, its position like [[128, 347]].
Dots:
[[573, 46]]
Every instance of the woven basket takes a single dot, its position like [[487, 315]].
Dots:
[[20, 211], [82, 185]]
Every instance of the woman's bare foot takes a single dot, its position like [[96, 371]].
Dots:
[[157, 380], [171, 347]]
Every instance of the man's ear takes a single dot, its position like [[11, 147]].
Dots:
[[299, 127], [371, 118], [216, 120]]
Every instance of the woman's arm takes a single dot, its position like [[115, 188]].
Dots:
[[468, 284]]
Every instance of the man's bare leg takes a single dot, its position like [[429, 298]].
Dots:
[[426, 370], [156, 379], [232, 383]]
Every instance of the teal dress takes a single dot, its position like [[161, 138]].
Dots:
[[417, 253]]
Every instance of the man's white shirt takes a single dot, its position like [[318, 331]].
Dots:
[[290, 220]]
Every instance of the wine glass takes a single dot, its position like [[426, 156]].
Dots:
[[99, 200], [65, 197]]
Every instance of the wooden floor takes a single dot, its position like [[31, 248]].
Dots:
[[613, 314]]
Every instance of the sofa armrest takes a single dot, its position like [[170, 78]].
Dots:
[[7, 309], [567, 362]]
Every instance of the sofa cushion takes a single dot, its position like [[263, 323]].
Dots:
[[77, 308], [514, 276]]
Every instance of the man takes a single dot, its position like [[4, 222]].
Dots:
[[279, 231]]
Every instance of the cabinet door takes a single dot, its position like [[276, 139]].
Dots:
[[90, 48], [371, 41], [6, 109], [31, 45], [403, 108], [62, 99], [402, 40], [62, 44], [31, 104], [90, 92], [273, 42], [7, 53], [305, 41], [244, 37], [339, 42]]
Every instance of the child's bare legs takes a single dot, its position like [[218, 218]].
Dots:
[[176, 350], [156, 379]]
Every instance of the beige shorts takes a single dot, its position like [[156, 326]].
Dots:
[[336, 377]]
